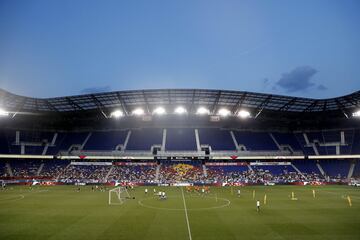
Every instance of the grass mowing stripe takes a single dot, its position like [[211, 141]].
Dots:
[[186, 214]]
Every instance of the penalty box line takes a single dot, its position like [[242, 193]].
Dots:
[[186, 214]]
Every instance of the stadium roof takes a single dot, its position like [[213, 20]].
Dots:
[[190, 98]]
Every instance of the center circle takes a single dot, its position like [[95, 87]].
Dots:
[[204, 203]]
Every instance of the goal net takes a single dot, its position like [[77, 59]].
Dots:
[[118, 195]]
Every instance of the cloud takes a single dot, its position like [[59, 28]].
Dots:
[[95, 89], [321, 87], [298, 79], [266, 81]]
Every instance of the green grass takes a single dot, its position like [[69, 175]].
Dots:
[[59, 212]]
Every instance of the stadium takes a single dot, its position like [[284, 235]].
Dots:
[[92, 161], [179, 120]]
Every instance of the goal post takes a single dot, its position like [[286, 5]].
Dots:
[[118, 195]]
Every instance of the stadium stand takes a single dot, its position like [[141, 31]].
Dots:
[[53, 168], [133, 173], [105, 140], [356, 142], [336, 168], [287, 139], [65, 140], [3, 169], [79, 148], [181, 172], [219, 140], [306, 166], [84, 174], [4, 146], [180, 139], [275, 169], [356, 173], [24, 169], [255, 141], [144, 139]]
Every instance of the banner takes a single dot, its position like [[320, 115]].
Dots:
[[226, 164], [269, 163], [92, 163], [134, 163]]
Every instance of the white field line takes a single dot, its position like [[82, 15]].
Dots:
[[186, 214]]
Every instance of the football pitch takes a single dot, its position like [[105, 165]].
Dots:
[[60, 212]]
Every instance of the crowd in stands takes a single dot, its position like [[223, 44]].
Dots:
[[87, 174], [52, 171], [143, 174], [25, 168], [168, 172], [259, 176], [172, 173]]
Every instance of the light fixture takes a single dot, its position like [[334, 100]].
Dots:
[[224, 112], [117, 114], [159, 111], [202, 111], [356, 114], [3, 113], [180, 110], [243, 114], [138, 112]]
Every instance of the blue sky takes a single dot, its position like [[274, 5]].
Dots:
[[304, 48]]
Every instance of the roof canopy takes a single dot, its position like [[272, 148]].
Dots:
[[190, 98]]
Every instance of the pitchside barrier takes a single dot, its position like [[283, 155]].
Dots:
[[151, 157]]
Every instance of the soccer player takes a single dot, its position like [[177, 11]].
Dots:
[[238, 192], [154, 190], [257, 205], [146, 190], [163, 195]]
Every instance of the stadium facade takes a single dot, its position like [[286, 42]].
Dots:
[[199, 136]]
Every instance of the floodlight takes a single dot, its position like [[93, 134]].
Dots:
[[356, 114], [224, 112], [159, 111], [3, 113], [202, 111], [180, 110], [243, 114], [117, 114], [138, 112]]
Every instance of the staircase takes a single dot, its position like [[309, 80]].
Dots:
[[57, 177], [108, 174], [351, 171], [204, 170], [40, 169], [85, 141], [128, 135], [8, 168], [276, 142], [157, 172], [297, 170], [322, 171]]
